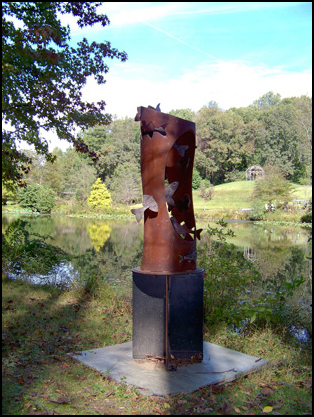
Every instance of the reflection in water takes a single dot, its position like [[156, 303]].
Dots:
[[249, 254], [116, 246], [62, 276], [110, 249], [99, 234]]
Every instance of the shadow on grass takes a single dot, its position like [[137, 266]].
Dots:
[[40, 326]]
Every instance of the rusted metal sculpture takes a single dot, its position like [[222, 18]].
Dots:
[[168, 287], [167, 155]]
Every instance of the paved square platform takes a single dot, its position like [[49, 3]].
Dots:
[[219, 365]]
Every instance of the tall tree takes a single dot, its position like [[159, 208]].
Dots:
[[268, 99], [186, 114], [274, 188], [116, 145], [278, 140], [43, 77], [126, 184]]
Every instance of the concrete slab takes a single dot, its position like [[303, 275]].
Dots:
[[219, 365]]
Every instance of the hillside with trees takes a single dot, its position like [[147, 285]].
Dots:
[[272, 132]]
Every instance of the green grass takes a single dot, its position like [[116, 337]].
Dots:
[[41, 325], [227, 203], [230, 198]]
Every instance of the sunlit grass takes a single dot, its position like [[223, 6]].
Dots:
[[41, 325]]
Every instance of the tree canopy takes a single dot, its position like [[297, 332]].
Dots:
[[228, 142], [43, 77]]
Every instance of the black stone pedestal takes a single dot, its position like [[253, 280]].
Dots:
[[168, 315]]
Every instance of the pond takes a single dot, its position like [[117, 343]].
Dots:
[[113, 247], [117, 244]]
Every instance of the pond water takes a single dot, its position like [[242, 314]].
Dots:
[[114, 247]]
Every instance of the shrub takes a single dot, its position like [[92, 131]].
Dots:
[[306, 218], [196, 179], [38, 198], [226, 274], [234, 176], [99, 196], [258, 212]]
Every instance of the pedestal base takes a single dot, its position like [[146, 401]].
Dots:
[[168, 315], [220, 365]]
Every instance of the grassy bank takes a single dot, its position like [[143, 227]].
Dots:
[[41, 325], [230, 199], [228, 203]]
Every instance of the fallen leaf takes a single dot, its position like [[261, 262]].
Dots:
[[308, 382], [267, 409], [267, 391], [277, 407], [61, 400], [237, 410]]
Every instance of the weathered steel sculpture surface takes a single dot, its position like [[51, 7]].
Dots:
[[167, 155]]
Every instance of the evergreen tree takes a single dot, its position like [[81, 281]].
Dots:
[[99, 196]]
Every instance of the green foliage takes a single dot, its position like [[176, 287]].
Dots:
[[227, 274], [24, 253], [268, 99], [43, 74], [9, 193], [273, 188], [186, 114], [307, 218], [126, 184], [258, 212], [38, 198], [235, 176], [222, 143], [271, 131], [196, 179], [206, 192], [99, 197], [227, 144]]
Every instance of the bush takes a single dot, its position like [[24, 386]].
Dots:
[[258, 212], [38, 198], [235, 176], [99, 196], [196, 179], [226, 300], [306, 218], [226, 275]]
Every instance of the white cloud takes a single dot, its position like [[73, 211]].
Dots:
[[124, 13], [230, 84]]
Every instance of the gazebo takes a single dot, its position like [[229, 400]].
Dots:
[[254, 172]]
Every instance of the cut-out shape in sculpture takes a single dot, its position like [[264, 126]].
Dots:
[[148, 203], [167, 155]]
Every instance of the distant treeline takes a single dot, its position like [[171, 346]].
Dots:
[[270, 131]]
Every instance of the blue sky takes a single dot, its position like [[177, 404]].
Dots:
[[186, 54]]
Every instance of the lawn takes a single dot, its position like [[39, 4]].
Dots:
[[229, 199], [41, 325]]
